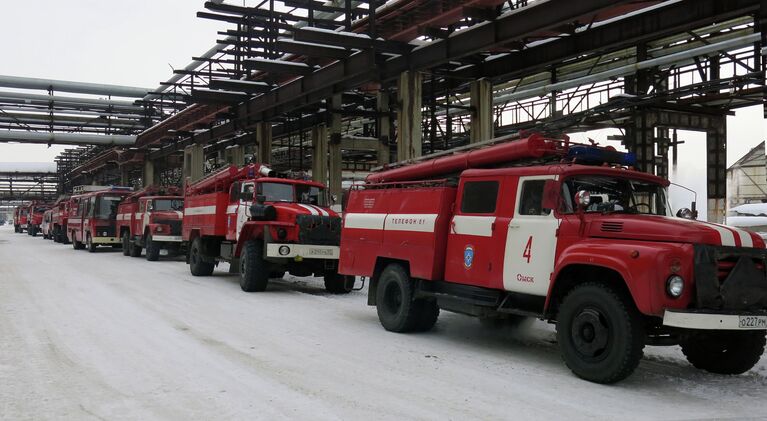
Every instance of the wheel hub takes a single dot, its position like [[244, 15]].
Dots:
[[393, 298], [590, 333]]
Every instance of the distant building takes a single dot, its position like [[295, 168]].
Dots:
[[747, 178]]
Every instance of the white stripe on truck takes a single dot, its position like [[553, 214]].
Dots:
[[200, 210], [480, 226]]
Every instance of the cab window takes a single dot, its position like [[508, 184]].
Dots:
[[479, 197], [531, 199]]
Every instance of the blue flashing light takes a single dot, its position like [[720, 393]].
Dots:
[[121, 188], [598, 156], [251, 172]]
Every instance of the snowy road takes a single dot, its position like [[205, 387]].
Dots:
[[103, 336]]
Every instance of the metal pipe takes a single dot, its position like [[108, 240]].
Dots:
[[630, 69], [73, 87], [66, 138], [18, 97]]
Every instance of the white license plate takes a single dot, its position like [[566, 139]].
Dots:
[[752, 322], [163, 252]]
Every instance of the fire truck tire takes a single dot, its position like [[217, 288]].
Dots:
[[254, 271], [338, 284], [89, 244], [16, 229], [32, 232], [152, 249], [600, 333], [126, 244], [135, 249], [77, 245], [197, 265], [398, 309], [724, 352]]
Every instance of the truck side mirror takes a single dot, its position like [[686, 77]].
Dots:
[[582, 199], [550, 195]]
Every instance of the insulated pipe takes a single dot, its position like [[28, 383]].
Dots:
[[66, 138], [73, 87], [631, 68], [18, 97], [535, 146]]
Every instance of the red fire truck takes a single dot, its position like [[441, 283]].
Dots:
[[35, 219], [59, 217], [566, 233], [20, 218], [263, 225], [151, 219], [93, 216]]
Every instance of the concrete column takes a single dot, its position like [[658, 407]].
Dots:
[[264, 142], [149, 176], [124, 176], [384, 128], [320, 154], [409, 139], [334, 149], [236, 155], [194, 162], [482, 118]]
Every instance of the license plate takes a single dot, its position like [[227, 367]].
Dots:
[[163, 252], [752, 322]]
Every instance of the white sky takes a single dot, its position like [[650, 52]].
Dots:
[[135, 43]]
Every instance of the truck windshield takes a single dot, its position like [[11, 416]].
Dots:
[[284, 192], [106, 207], [168, 204], [612, 194]]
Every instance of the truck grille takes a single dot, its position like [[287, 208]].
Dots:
[[175, 225], [730, 278], [318, 229]]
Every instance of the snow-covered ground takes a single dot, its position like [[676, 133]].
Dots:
[[103, 336]]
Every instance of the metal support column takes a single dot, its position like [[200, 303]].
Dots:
[[194, 162], [716, 170], [334, 148], [150, 176], [384, 128]]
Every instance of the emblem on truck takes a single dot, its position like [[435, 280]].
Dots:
[[468, 256]]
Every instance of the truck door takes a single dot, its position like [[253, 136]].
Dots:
[[473, 257], [142, 219], [243, 206], [531, 241]]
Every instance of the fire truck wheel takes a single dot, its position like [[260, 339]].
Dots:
[[135, 249], [398, 310], [152, 249], [126, 244], [77, 245], [89, 244], [338, 284], [724, 352], [197, 265], [600, 333], [254, 271]]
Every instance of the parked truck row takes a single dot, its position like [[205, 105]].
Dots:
[[536, 227]]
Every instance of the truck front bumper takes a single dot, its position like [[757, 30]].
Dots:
[[302, 251], [715, 321], [106, 240], [167, 238]]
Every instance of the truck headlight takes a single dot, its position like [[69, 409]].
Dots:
[[104, 234], [284, 250], [675, 286], [159, 229]]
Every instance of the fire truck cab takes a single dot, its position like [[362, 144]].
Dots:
[[93, 216], [46, 228], [20, 218], [151, 219], [59, 217], [35, 213], [582, 241], [264, 226]]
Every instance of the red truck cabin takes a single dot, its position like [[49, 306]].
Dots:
[[20, 218], [93, 218], [158, 215]]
